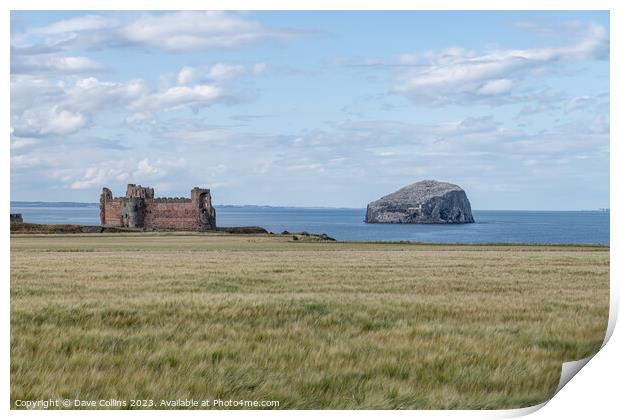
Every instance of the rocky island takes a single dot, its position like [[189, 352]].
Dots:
[[422, 202]]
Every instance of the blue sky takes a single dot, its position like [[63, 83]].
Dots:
[[312, 108]]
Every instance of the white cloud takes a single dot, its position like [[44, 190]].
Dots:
[[24, 161], [577, 103], [94, 177], [222, 71], [139, 117], [457, 75], [471, 140], [194, 30], [28, 92], [188, 75], [183, 132], [49, 121], [179, 96], [146, 170], [495, 87], [307, 167], [40, 109], [173, 31], [92, 95], [51, 64], [109, 172], [77, 24], [258, 68], [64, 122], [205, 74], [384, 154], [20, 143]]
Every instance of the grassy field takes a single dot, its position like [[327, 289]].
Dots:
[[311, 324]]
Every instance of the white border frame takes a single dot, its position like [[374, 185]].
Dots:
[[592, 394]]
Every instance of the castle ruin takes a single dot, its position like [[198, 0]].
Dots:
[[140, 209]]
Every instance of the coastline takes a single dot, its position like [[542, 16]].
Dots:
[[34, 229]]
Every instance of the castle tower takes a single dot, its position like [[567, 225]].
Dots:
[[132, 212], [201, 200], [104, 198]]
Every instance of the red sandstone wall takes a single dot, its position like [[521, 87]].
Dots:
[[170, 215], [113, 213], [162, 215]]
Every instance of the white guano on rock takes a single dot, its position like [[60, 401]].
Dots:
[[422, 202]]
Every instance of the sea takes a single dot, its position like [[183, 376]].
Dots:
[[346, 224]]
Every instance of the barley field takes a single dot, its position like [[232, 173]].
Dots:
[[311, 324]]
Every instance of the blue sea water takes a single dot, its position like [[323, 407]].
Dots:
[[585, 227]]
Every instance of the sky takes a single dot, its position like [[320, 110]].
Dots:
[[323, 108]]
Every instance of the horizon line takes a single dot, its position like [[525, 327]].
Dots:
[[600, 209]]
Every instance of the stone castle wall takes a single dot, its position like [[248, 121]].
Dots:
[[139, 209], [171, 215], [112, 214]]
